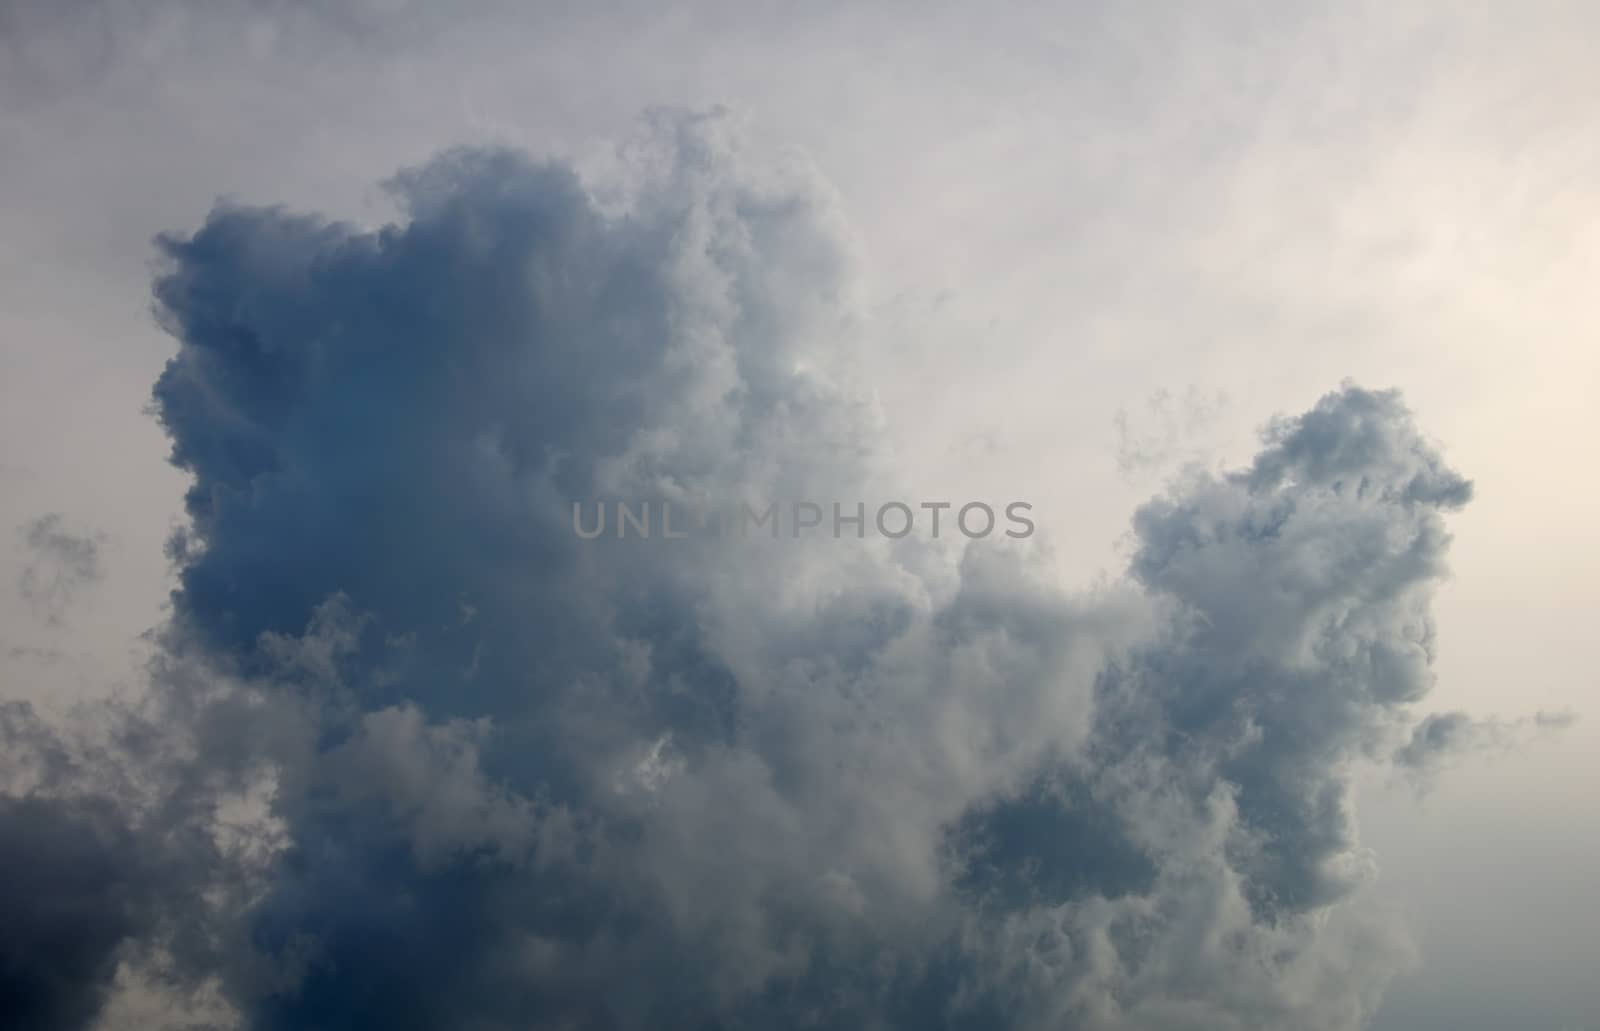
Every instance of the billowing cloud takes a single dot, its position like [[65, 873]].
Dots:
[[438, 763]]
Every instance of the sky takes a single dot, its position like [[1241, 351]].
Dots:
[[314, 318]]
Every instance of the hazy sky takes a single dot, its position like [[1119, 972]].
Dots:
[[1084, 244]]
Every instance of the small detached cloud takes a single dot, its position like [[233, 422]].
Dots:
[[61, 564], [1442, 737]]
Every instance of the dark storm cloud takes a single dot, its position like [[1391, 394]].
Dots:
[[70, 898], [93, 876], [61, 564], [484, 775]]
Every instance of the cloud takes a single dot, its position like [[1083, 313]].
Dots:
[[61, 564], [1443, 736], [69, 902], [442, 764], [94, 878]]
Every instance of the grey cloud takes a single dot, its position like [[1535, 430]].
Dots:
[[774, 784], [31, 653], [93, 876], [1442, 736], [1304, 584], [70, 899], [61, 564]]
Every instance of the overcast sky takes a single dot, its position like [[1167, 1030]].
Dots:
[[1082, 246]]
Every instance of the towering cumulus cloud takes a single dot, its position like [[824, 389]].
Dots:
[[428, 760]]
